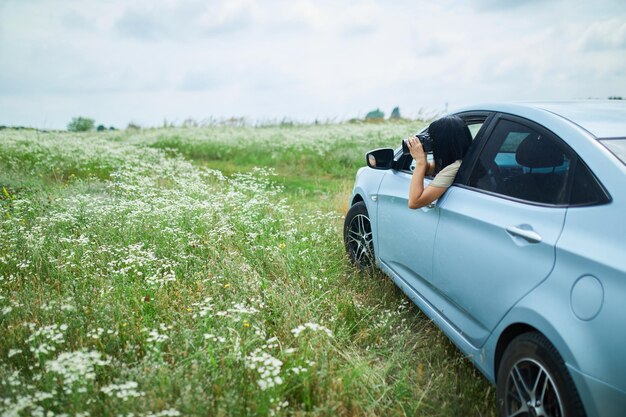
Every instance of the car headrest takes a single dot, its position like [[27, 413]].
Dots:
[[537, 152]]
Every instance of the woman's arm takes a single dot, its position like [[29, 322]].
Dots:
[[418, 195]]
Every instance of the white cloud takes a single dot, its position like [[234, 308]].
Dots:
[[147, 60], [607, 35]]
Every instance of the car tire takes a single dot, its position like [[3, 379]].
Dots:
[[533, 380], [357, 236]]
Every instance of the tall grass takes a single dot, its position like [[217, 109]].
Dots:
[[201, 272]]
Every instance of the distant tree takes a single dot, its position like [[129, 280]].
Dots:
[[167, 124], [81, 124], [112, 128], [189, 122], [133, 126], [101, 128], [616, 98], [375, 116], [395, 113], [234, 121]]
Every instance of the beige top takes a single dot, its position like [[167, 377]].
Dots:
[[445, 178]]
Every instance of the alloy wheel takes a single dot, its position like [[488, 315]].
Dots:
[[359, 240], [531, 391]]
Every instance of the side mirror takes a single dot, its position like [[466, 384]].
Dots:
[[380, 158]]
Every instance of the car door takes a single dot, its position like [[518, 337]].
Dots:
[[498, 227], [406, 236]]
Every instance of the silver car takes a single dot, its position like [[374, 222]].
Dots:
[[522, 261]]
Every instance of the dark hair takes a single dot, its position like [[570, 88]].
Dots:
[[451, 140]]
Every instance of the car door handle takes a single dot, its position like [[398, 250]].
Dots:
[[529, 235]]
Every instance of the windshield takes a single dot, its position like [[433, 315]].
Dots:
[[617, 146]]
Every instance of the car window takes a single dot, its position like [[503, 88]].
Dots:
[[474, 128], [617, 146], [523, 163], [586, 189], [429, 158]]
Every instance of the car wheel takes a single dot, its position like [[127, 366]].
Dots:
[[534, 382], [357, 236]]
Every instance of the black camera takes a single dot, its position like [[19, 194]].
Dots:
[[425, 139]]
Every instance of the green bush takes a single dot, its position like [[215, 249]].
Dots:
[[81, 124], [375, 116]]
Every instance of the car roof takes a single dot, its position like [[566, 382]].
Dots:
[[601, 118]]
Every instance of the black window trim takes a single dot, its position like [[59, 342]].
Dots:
[[470, 161], [514, 199], [477, 146]]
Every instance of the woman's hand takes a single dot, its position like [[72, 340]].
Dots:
[[416, 149], [418, 195]]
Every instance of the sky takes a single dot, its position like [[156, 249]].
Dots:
[[150, 61]]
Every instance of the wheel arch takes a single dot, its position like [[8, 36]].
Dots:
[[524, 321], [506, 337], [546, 357], [357, 198]]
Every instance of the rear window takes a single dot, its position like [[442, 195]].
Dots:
[[617, 146]]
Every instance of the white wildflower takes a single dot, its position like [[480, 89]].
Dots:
[[297, 370], [268, 368], [210, 336], [313, 327], [123, 391], [95, 333], [13, 352], [76, 367], [47, 337], [165, 413]]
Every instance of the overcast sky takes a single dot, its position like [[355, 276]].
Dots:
[[118, 61]]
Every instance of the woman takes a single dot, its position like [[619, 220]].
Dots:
[[451, 140]]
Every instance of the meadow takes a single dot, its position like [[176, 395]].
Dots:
[[201, 272]]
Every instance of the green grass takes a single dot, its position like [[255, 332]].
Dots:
[[202, 272]]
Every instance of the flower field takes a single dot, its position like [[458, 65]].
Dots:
[[201, 271]]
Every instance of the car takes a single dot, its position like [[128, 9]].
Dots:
[[522, 261]]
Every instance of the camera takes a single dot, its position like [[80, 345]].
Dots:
[[425, 139]]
